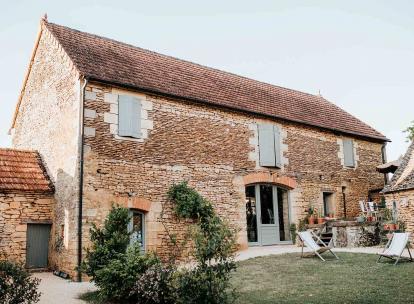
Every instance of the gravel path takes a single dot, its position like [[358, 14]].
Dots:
[[61, 291]]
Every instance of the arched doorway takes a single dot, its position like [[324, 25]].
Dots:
[[267, 215]]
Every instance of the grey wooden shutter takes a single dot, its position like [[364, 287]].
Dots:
[[267, 146], [129, 116], [349, 160], [276, 133]]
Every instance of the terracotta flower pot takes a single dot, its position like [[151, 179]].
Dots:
[[397, 227], [311, 220], [386, 227], [392, 226], [321, 220]]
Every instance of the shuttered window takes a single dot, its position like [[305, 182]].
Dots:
[[269, 146], [129, 116], [349, 158]]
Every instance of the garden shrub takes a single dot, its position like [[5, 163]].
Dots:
[[116, 280], [122, 274], [157, 285], [16, 285], [189, 204], [111, 262], [108, 243]]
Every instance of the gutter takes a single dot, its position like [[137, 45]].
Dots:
[[81, 161]]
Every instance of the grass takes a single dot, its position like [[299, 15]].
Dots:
[[355, 278]]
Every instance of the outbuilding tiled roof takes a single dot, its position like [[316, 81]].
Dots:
[[114, 62], [403, 179], [22, 171]]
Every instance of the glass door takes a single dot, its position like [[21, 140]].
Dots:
[[269, 230], [251, 215], [267, 215]]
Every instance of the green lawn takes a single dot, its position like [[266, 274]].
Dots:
[[355, 278]]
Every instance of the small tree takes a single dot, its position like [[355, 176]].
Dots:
[[109, 242], [410, 132], [112, 262]]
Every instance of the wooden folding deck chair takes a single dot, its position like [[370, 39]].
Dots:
[[307, 238], [395, 248]]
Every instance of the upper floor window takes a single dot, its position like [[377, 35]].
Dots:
[[129, 116], [349, 156], [269, 146]]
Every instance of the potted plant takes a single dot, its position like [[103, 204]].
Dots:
[[321, 219], [311, 218]]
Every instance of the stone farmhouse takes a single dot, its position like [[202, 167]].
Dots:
[[399, 193], [117, 124]]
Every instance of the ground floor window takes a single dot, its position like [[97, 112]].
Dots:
[[136, 227], [267, 214]]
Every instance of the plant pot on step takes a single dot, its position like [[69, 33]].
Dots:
[[321, 220], [311, 220], [386, 227], [392, 227]]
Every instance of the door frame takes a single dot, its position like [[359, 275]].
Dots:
[[276, 213]]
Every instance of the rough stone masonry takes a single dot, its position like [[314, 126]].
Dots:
[[215, 149]]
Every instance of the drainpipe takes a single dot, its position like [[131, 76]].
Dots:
[[82, 129], [344, 199]]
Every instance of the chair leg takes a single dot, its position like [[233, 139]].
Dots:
[[320, 256], [334, 254], [379, 258], [411, 258], [397, 260]]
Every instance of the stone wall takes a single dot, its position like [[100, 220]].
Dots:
[[353, 234], [405, 206], [48, 121], [16, 210], [216, 151]]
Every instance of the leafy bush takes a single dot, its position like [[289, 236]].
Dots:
[[16, 285], [116, 280], [206, 285], [157, 285], [188, 203]]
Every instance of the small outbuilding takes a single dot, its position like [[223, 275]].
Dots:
[[26, 208], [399, 193]]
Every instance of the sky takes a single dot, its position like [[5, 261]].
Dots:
[[357, 54]]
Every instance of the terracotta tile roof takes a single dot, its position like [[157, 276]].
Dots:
[[110, 61], [22, 171], [403, 179]]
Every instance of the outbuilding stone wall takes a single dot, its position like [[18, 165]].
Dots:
[[16, 210]]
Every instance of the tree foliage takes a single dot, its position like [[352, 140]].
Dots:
[[410, 132]]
